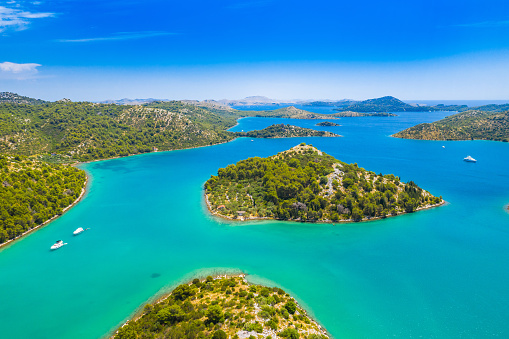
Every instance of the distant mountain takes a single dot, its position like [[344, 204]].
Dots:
[[328, 103], [255, 101], [127, 101], [13, 98]]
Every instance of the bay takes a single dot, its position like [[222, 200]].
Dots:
[[436, 273]]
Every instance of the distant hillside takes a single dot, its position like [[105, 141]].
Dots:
[[13, 98], [470, 125], [87, 131], [384, 104]]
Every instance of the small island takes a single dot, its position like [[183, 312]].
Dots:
[[471, 125], [305, 184], [285, 131], [221, 308], [327, 124]]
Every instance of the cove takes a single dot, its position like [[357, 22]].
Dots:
[[436, 273]]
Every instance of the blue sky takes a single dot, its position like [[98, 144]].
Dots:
[[97, 50]]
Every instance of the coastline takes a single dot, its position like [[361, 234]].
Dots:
[[157, 300], [65, 209], [216, 214]]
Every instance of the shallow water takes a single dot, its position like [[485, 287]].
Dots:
[[436, 273]]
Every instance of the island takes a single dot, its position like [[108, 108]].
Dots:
[[327, 124], [220, 308], [470, 125], [305, 184], [285, 131]]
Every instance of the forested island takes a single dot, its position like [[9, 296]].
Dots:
[[327, 124], [33, 191], [305, 184], [285, 131], [221, 308], [470, 125]]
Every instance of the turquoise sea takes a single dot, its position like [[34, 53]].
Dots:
[[439, 273]]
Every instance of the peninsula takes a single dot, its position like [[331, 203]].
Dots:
[[221, 308], [305, 184], [470, 125]]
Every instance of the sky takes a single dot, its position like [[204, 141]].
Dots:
[[98, 49]]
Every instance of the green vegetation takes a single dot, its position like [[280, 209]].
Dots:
[[223, 308], [308, 185], [285, 131], [32, 191], [327, 124], [471, 125], [87, 131]]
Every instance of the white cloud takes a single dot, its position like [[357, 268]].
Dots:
[[11, 67], [18, 19], [121, 36]]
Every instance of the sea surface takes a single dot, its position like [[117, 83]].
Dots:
[[438, 273]]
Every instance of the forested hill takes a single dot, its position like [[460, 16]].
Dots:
[[33, 191], [471, 125], [87, 131], [307, 185], [13, 98], [386, 104]]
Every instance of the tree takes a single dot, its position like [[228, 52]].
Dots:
[[219, 334], [291, 307], [215, 314]]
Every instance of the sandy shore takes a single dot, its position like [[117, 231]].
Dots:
[[217, 214], [83, 191]]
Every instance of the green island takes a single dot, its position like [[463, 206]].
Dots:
[[470, 125], [305, 184], [221, 308], [327, 124], [33, 191], [285, 131]]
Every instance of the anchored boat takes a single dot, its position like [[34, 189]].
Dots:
[[469, 159]]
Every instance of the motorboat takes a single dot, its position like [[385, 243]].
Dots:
[[58, 244], [469, 159], [78, 231]]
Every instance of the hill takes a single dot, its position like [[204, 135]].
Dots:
[[87, 131], [223, 308], [470, 125], [307, 185], [13, 98]]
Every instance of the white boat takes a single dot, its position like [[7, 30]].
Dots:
[[58, 244], [469, 159], [443, 146], [78, 230]]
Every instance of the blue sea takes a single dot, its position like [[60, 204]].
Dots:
[[438, 273]]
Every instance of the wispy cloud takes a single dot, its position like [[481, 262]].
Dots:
[[121, 36], [18, 19], [249, 4], [486, 24], [12, 70]]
